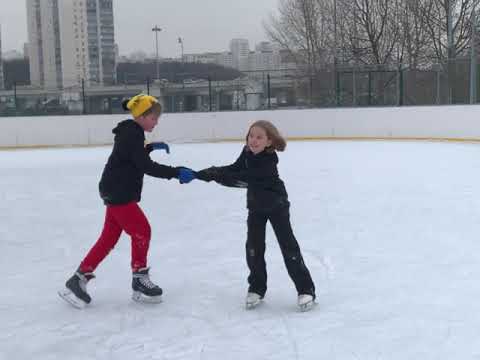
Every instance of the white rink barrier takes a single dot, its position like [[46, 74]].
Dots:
[[427, 122]]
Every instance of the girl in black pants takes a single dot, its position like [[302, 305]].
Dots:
[[267, 199]]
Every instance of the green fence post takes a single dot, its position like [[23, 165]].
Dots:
[[369, 87], [400, 86]]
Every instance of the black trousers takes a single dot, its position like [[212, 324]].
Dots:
[[255, 251]]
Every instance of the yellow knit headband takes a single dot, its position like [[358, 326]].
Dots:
[[140, 103]]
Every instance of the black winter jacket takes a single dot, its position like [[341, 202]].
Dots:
[[258, 173], [122, 178]]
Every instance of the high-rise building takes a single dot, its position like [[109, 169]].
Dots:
[[265, 57], [44, 41], [240, 50], [2, 84], [225, 59], [25, 50], [71, 41], [101, 41]]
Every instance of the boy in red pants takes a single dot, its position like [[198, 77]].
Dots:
[[120, 188]]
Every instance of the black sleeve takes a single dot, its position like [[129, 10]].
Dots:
[[238, 165], [253, 175], [225, 175], [220, 176], [141, 158], [148, 148]]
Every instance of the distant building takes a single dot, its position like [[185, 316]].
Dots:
[[240, 50], [71, 41], [265, 46], [2, 82], [265, 57], [206, 58], [225, 59], [117, 53], [12, 55]]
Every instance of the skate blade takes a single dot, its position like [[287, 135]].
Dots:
[[141, 298], [252, 305], [307, 307], [71, 299]]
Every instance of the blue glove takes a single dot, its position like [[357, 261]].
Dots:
[[160, 146], [185, 175]]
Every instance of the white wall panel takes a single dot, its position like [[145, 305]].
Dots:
[[444, 122]]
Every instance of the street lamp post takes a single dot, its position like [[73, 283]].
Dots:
[[450, 52], [156, 30], [473, 58], [182, 104], [335, 54], [180, 41]]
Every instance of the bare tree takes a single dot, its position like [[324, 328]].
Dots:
[[300, 28], [413, 41], [435, 15], [373, 32], [409, 32]]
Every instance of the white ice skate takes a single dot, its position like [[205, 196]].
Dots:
[[305, 302], [142, 298], [253, 300], [70, 298]]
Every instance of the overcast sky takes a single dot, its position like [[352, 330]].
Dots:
[[205, 25]]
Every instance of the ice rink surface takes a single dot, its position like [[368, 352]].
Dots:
[[389, 230]]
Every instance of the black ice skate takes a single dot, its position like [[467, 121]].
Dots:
[[75, 292], [144, 290]]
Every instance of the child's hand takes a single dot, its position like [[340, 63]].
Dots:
[[185, 175], [207, 174], [221, 177], [158, 146]]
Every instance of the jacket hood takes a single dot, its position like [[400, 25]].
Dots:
[[126, 126]]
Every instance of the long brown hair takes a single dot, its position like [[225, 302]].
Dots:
[[278, 141]]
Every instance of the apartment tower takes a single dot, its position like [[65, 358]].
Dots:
[[71, 41], [2, 82]]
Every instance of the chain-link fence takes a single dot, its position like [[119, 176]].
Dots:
[[345, 86]]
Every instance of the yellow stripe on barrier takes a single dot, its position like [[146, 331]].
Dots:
[[366, 138], [40, 147], [306, 138]]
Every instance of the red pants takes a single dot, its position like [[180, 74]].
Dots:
[[129, 218]]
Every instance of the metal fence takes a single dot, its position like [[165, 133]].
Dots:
[[258, 90]]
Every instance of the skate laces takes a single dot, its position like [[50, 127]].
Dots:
[[145, 281], [144, 278]]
